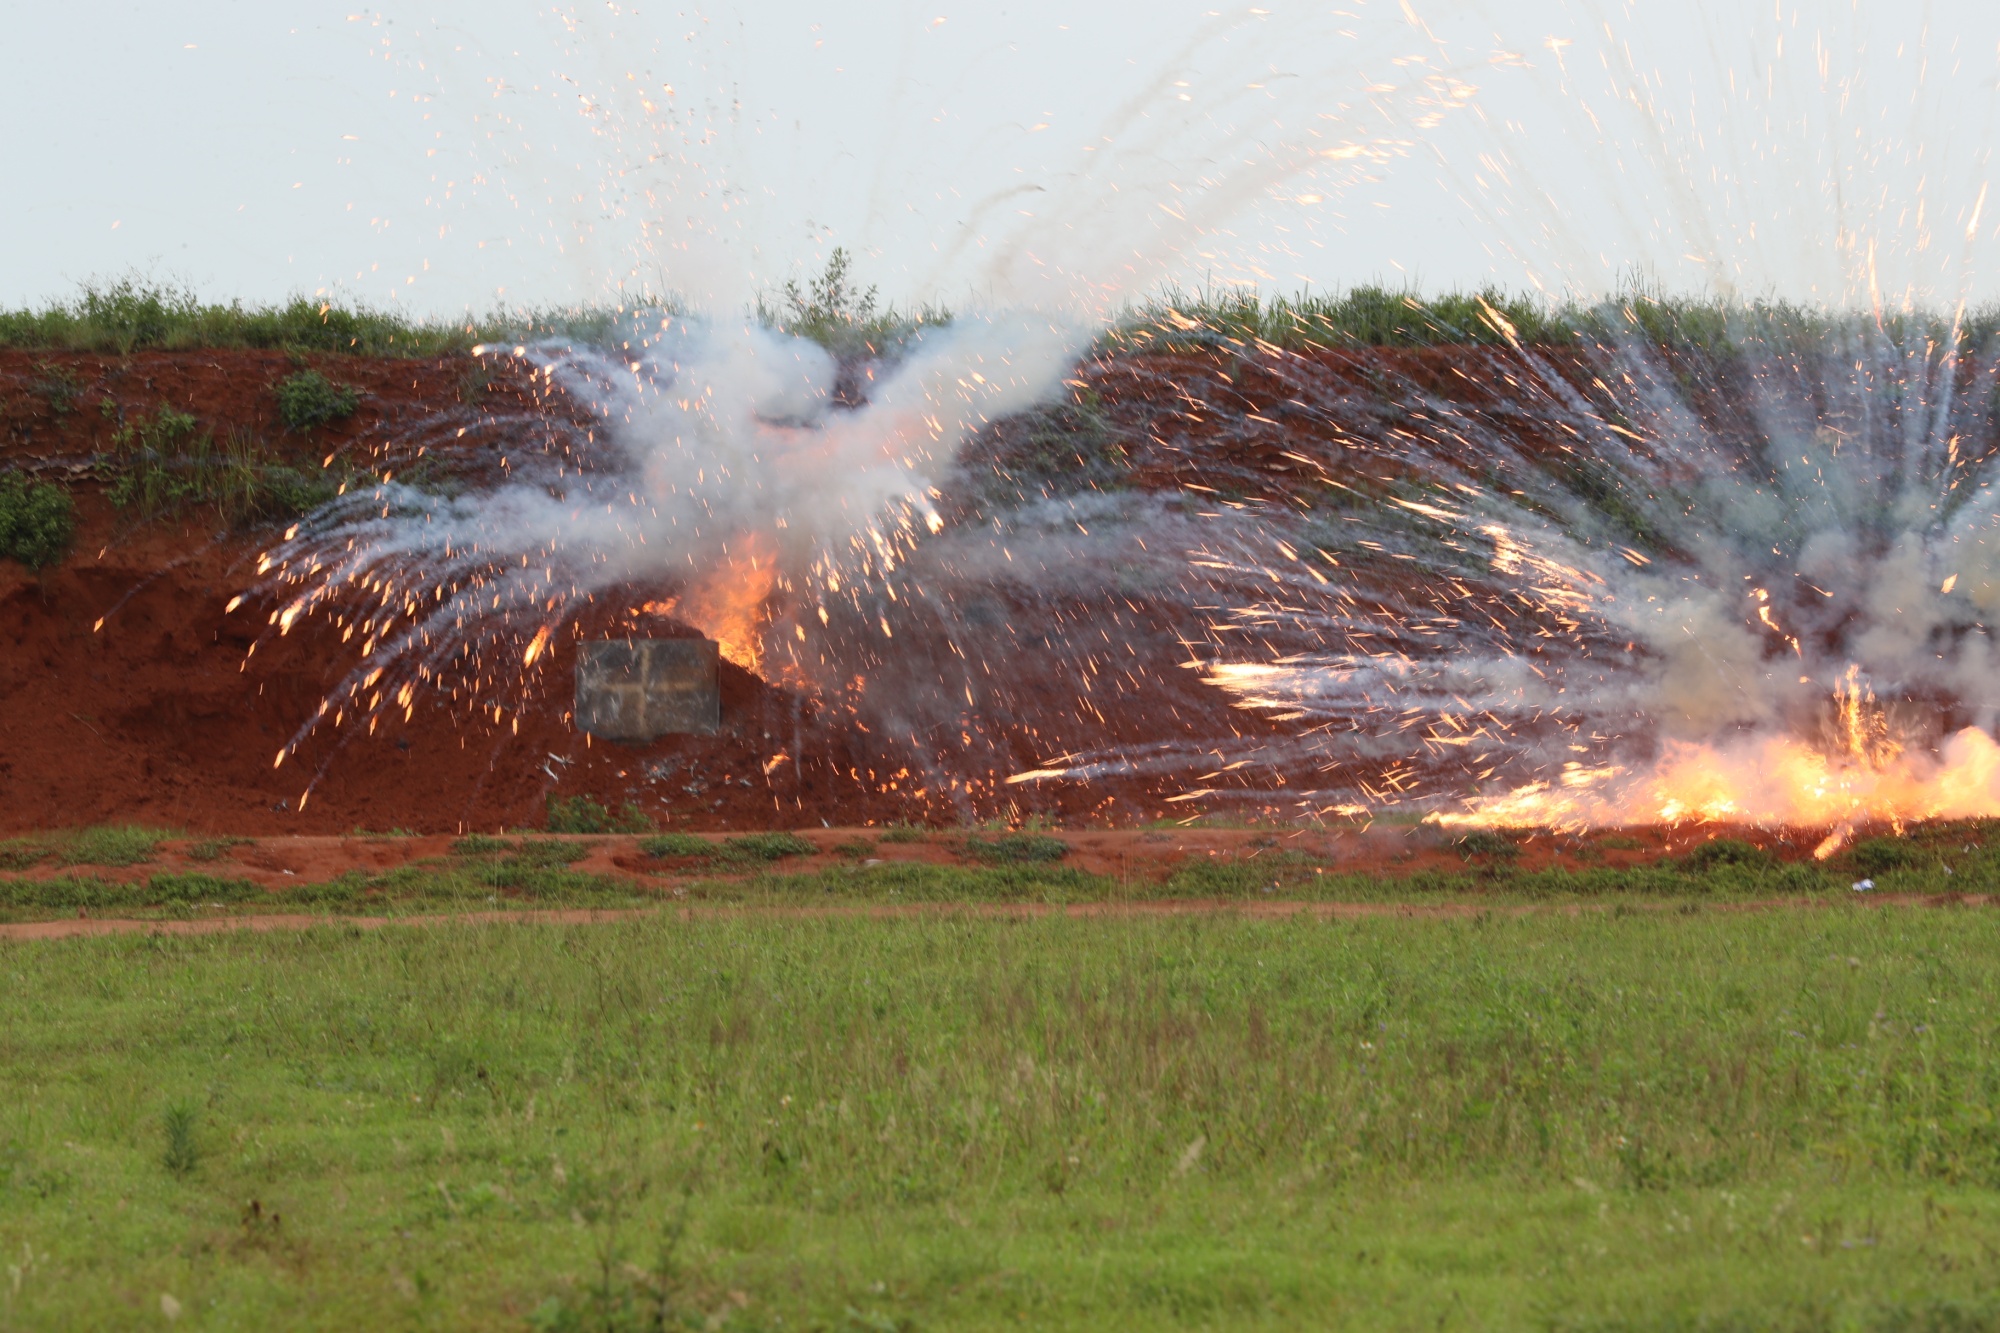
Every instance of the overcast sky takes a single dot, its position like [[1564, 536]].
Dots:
[[456, 155]]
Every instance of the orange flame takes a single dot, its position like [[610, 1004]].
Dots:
[[731, 605], [1777, 781]]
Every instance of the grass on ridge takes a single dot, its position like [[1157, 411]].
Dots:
[[1772, 1121], [134, 314], [1372, 316]]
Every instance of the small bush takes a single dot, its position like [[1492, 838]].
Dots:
[[1725, 852], [580, 814], [896, 833], [1486, 842], [767, 846], [37, 521], [1016, 848], [114, 845], [480, 844], [854, 848], [309, 399], [677, 844]]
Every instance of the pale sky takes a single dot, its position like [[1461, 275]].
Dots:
[[462, 155]]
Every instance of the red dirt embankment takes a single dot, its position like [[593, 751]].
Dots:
[[128, 691], [126, 694]]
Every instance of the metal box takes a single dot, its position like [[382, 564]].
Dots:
[[637, 689]]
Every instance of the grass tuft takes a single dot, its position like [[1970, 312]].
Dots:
[[766, 846], [167, 463], [1016, 848], [677, 844], [20, 853], [580, 814], [114, 845], [181, 1155]]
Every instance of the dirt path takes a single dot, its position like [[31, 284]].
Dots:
[[78, 927]]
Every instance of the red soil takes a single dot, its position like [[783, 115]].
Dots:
[[127, 692]]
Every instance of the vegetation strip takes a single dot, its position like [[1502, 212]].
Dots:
[[79, 927], [1772, 1120]]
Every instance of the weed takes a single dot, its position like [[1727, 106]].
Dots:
[[308, 399], [854, 849], [904, 833], [1016, 848], [37, 521], [480, 844], [580, 814], [181, 1155], [114, 845]]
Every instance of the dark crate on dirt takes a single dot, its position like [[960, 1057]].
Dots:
[[637, 689]]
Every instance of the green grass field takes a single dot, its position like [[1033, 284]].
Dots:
[[1667, 1120]]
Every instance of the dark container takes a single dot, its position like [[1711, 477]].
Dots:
[[637, 689]]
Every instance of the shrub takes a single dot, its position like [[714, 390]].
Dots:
[[37, 521], [580, 814], [1486, 842], [677, 844], [1725, 852], [1016, 848], [836, 312], [480, 844], [1872, 856], [308, 399], [767, 846]]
